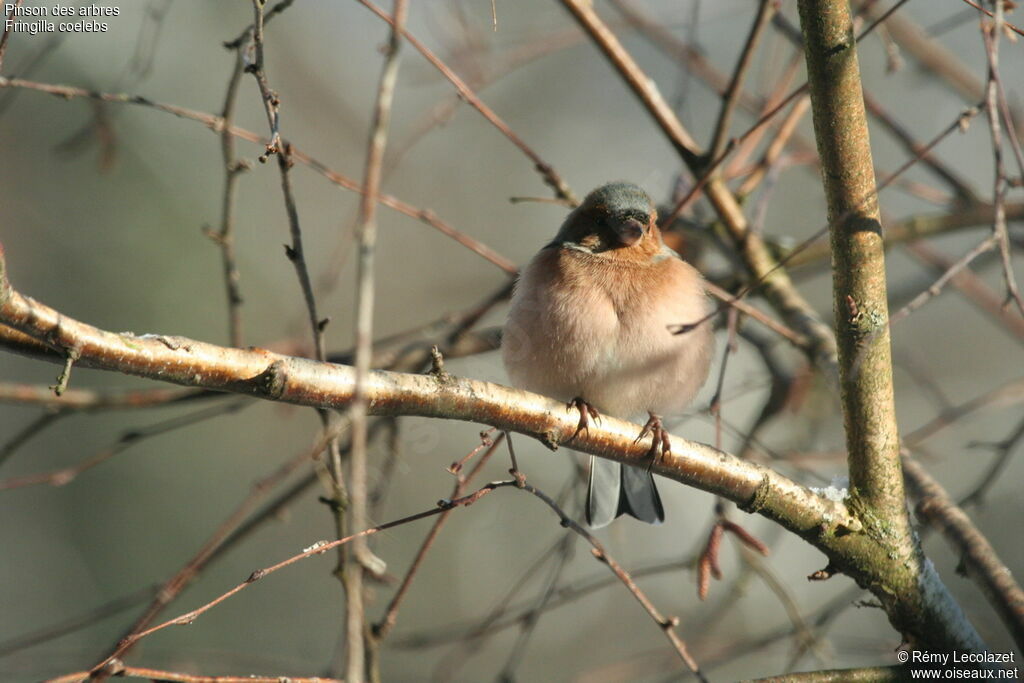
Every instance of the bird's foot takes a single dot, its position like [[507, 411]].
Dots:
[[660, 445], [587, 411]]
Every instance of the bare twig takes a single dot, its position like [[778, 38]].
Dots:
[[6, 35], [295, 252], [1009, 393], [643, 87], [971, 286], [93, 399], [772, 324], [932, 56], [33, 428], [990, 14], [318, 548], [77, 622], [952, 271], [131, 437], [547, 172], [352, 572], [232, 529], [990, 34], [216, 123], [773, 152], [917, 227], [225, 237], [977, 554], [271, 102], [70, 356], [668, 626], [1004, 451], [161, 676], [516, 613], [958, 185], [730, 99], [383, 626]]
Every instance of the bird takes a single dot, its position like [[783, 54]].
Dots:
[[589, 323]]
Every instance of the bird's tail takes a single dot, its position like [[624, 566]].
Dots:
[[614, 490]]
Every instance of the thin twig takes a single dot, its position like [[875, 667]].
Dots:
[[794, 68], [383, 626], [930, 54], [225, 238], [318, 548], [1011, 392], [66, 475], [483, 628], [161, 676], [6, 36], [547, 172], [216, 123], [528, 627], [990, 35], [33, 428], [694, 193], [271, 102], [972, 286], [644, 88], [297, 254], [771, 323], [1004, 451], [366, 234], [980, 559], [773, 153], [95, 399], [731, 346], [765, 10], [229, 532], [516, 613], [77, 622], [936, 287], [667, 625], [960, 187], [990, 14]]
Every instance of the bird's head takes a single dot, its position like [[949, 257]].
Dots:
[[616, 216]]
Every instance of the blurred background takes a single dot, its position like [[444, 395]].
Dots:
[[102, 215]]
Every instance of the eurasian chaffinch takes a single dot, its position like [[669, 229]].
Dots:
[[589, 324]]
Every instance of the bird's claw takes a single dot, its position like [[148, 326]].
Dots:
[[587, 411], [660, 444]]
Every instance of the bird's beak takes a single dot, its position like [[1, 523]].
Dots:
[[630, 231]]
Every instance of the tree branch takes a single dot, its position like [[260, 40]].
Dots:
[[979, 558], [861, 307], [828, 525]]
